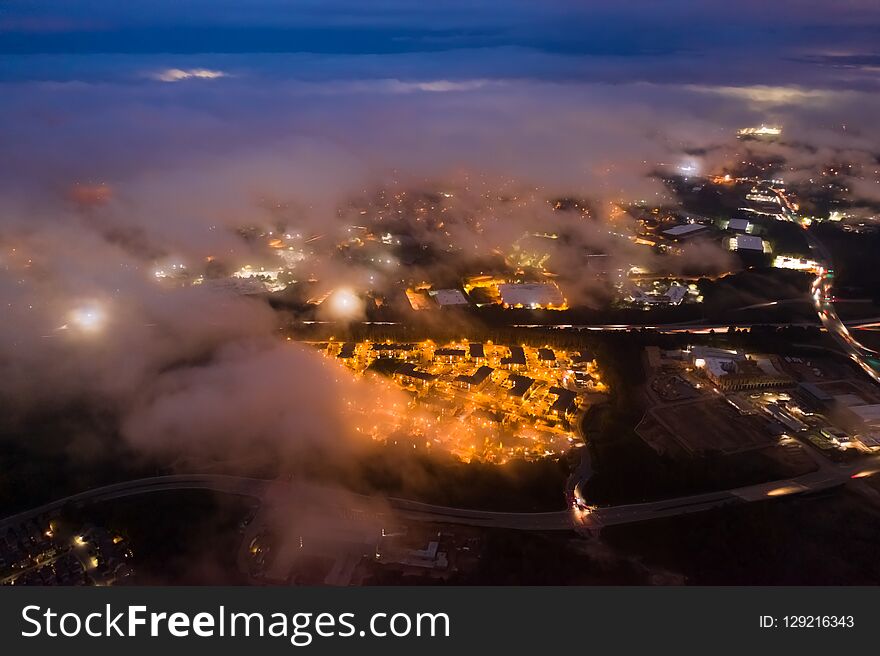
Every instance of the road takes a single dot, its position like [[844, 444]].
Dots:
[[349, 504], [866, 358], [826, 477], [696, 326], [330, 500]]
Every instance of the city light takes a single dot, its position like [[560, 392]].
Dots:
[[760, 131], [344, 304], [475, 401], [87, 318], [178, 74], [689, 167]]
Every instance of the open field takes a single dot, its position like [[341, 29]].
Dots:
[[713, 425]]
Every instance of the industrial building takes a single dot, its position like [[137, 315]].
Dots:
[[659, 295], [531, 295], [734, 370], [739, 225], [747, 243], [866, 415], [419, 300], [448, 297], [685, 231]]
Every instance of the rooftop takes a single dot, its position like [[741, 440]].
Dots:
[[546, 354], [565, 400], [747, 243], [542, 294], [517, 356], [450, 353], [409, 370], [477, 377], [521, 384], [870, 414], [684, 229], [448, 297]]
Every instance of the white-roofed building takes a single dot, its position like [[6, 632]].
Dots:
[[868, 415], [685, 230], [849, 400], [749, 243], [733, 370], [870, 440], [531, 295], [673, 295], [739, 225], [446, 297]]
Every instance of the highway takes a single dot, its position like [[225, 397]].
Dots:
[[347, 504], [821, 295], [697, 326], [828, 476], [342, 503]]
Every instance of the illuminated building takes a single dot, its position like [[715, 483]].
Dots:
[[269, 277], [748, 243], [659, 294], [420, 300], [739, 225], [457, 402], [796, 263], [170, 270], [760, 131], [547, 357], [476, 351], [516, 359], [449, 354], [566, 402], [394, 351], [475, 380], [870, 440], [531, 295], [759, 197], [410, 375], [733, 370], [447, 297], [243, 286], [520, 386]]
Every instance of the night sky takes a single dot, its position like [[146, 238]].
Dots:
[[462, 78]]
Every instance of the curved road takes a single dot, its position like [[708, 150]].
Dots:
[[866, 358], [350, 504], [344, 503]]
